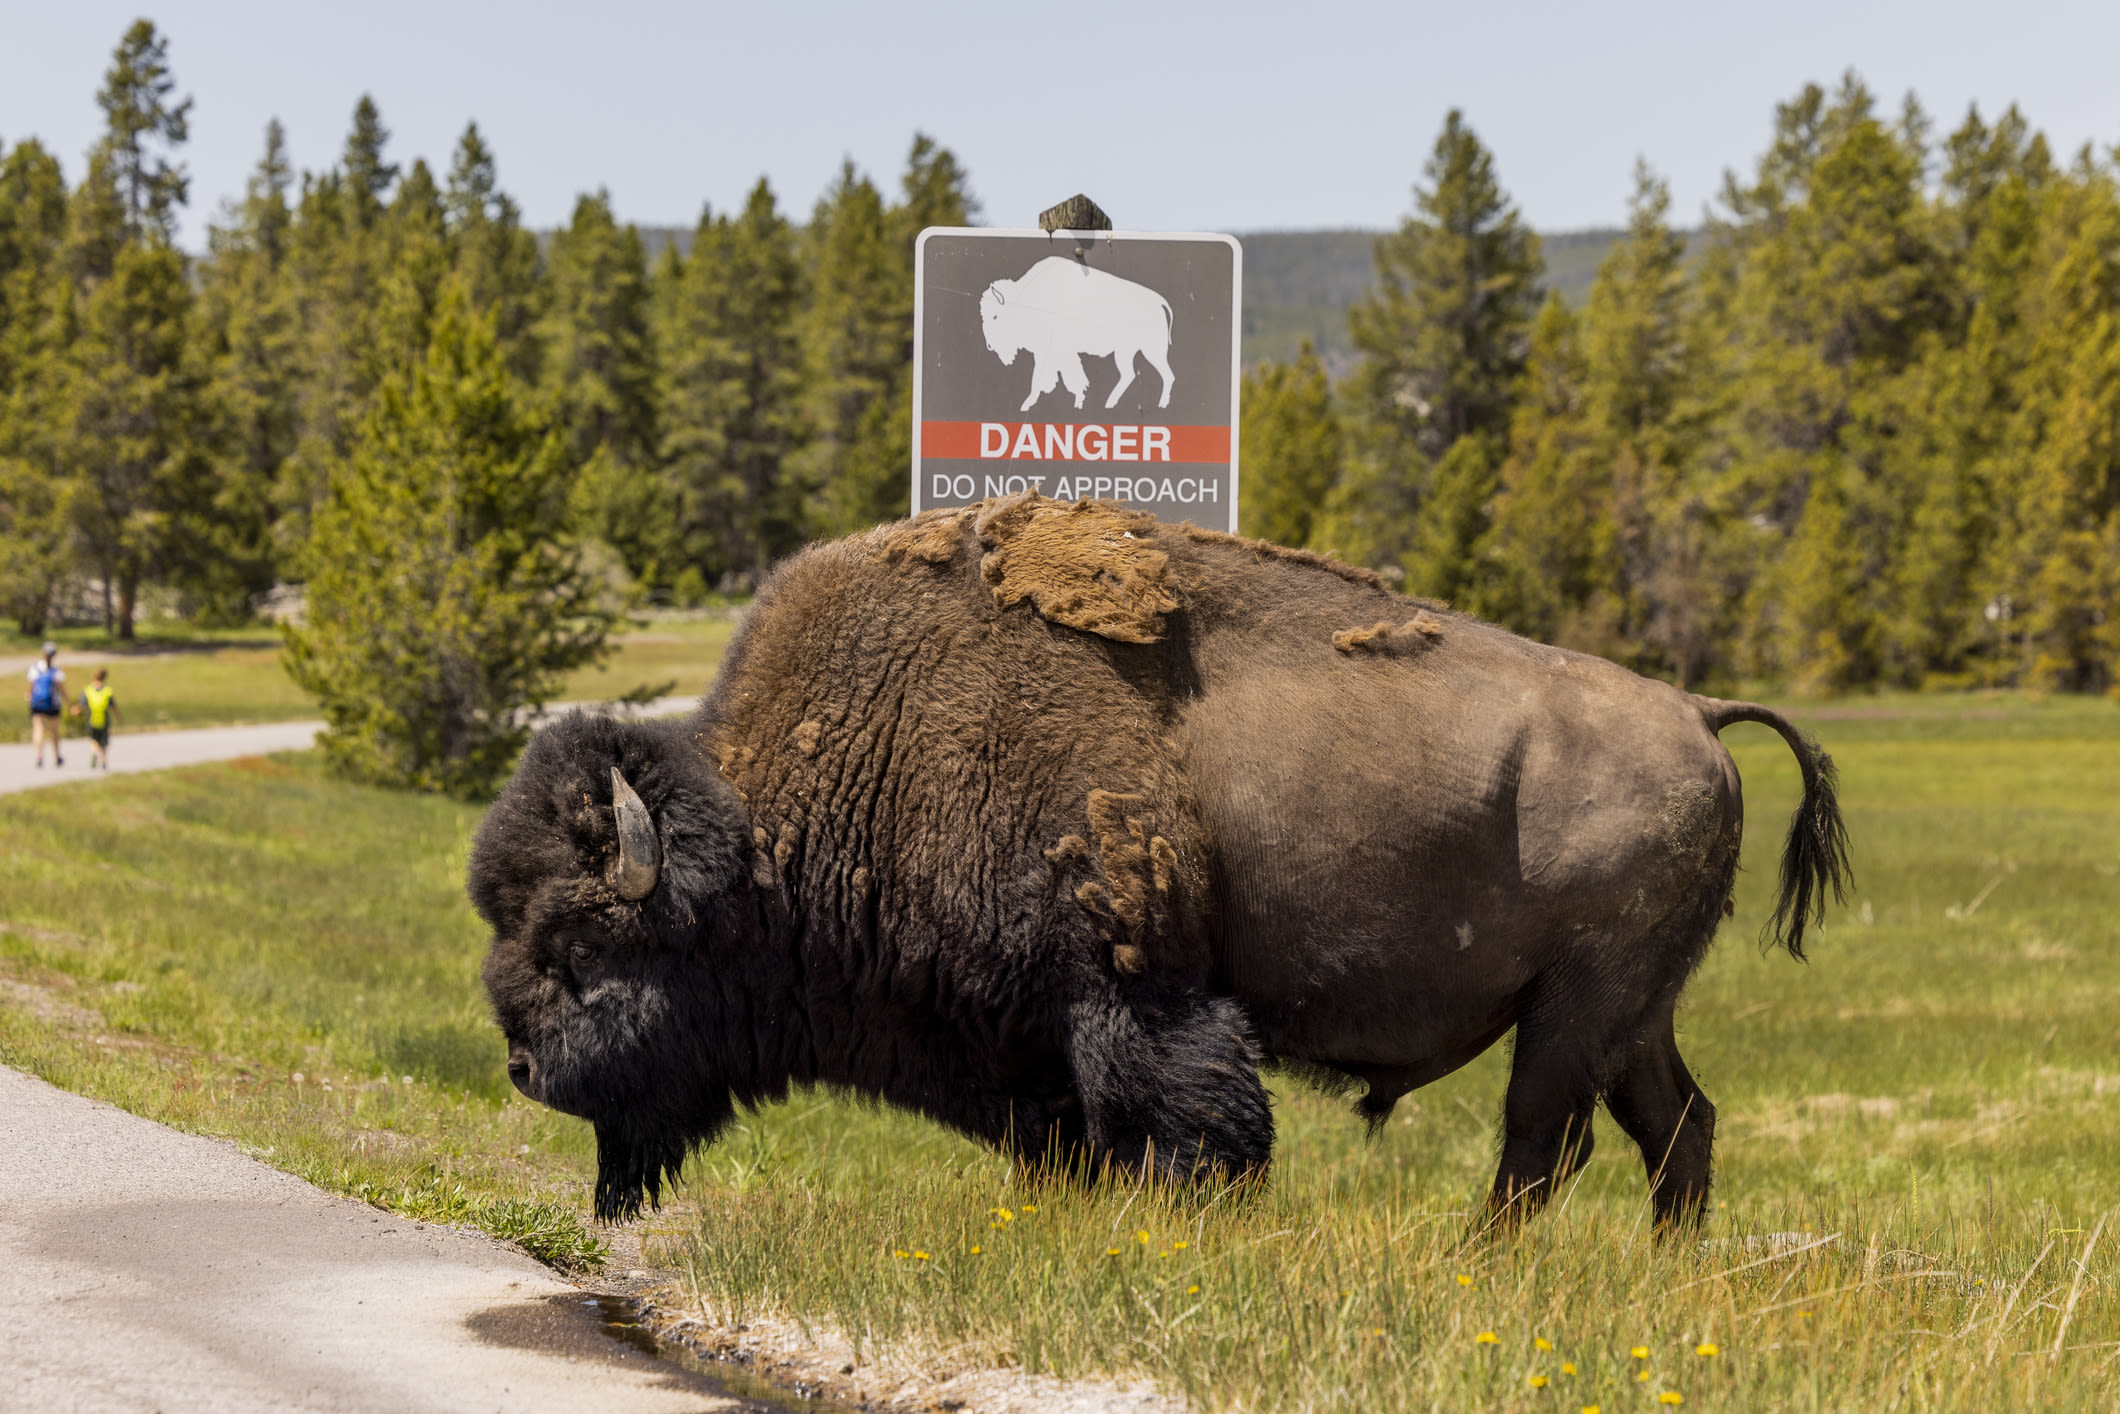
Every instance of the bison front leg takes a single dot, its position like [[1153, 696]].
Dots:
[[1171, 1083]]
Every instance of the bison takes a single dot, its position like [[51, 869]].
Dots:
[[1053, 823], [1061, 310]]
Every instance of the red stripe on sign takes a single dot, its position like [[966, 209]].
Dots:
[[1072, 442]]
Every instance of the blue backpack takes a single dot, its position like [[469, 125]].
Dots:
[[44, 691]]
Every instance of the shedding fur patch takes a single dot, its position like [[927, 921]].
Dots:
[[1419, 632], [1087, 565], [806, 736], [932, 537]]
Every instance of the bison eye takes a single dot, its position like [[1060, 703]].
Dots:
[[582, 954]]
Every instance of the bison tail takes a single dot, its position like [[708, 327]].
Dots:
[[1815, 855]]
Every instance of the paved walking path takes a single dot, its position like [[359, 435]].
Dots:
[[158, 751], [148, 1269]]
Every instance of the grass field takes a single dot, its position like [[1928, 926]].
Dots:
[[181, 679], [1920, 1130]]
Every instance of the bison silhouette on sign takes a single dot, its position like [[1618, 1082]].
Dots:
[[1061, 310]]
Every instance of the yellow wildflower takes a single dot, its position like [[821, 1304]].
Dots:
[[1111, 1251], [1487, 1338], [1567, 1367], [1538, 1382], [1670, 1396], [975, 1249], [1464, 1280], [1192, 1291], [920, 1256], [901, 1252], [1706, 1348], [1030, 1207], [1541, 1343], [1640, 1352], [1378, 1331], [1593, 1409], [1142, 1237], [1642, 1378], [1181, 1246]]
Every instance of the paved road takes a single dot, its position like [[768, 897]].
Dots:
[[147, 1269], [158, 751]]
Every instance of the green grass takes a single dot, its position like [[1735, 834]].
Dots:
[[1938, 1092], [226, 679], [257, 952]]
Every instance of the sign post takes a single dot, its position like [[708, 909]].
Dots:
[[1078, 363]]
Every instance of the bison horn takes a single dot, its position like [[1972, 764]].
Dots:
[[639, 860]]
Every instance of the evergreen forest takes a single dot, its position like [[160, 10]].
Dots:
[[1860, 430]]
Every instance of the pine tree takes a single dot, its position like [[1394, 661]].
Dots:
[[732, 385], [1445, 334], [35, 492], [858, 335], [133, 426], [444, 594], [138, 116], [1551, 528], [247, 331], [337, 271], [496, 256], [600, 373], [1290, 447], [1844, 294]]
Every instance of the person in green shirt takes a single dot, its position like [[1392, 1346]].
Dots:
[[100, 706]]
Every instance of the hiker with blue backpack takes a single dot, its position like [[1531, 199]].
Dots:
[[47, 704]]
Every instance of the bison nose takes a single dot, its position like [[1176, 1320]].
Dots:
[[523, 1071]]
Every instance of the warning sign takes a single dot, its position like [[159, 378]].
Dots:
[[1080, 363]]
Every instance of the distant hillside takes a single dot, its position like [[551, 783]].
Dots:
[[1298, 284]]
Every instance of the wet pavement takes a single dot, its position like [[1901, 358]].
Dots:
[[141, 1268]]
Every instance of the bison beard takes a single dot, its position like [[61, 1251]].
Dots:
[[631, 1164], [1054, 824]]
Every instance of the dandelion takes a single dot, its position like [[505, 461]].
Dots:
[[1670, 1396], [1181, 1246], [1539, 1382], [1487, 1338], [901, 1252], [1002, 1217], [1567, 1367], [920, 1256], [1378, 1331], [1541, 1343], [1111, 1251], [1464, 1280], [1640, 1352], [1030, 1207], [1707, 1348], [1642, 1378], [1593, 1409], [1142, 1237], [975, 1249], [1192, 1291]]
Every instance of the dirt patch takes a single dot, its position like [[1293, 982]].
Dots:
[[821, 1363]]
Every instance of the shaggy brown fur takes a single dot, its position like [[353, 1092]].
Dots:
[[1087, 565], [1420, 631]]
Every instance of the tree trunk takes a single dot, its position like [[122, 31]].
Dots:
[[128, 595]]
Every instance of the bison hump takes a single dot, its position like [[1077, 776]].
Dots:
[[1086, 564]]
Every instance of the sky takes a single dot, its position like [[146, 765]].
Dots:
[[1230, 116]]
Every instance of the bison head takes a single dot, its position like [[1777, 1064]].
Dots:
[[995, 319], [615, 872]]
